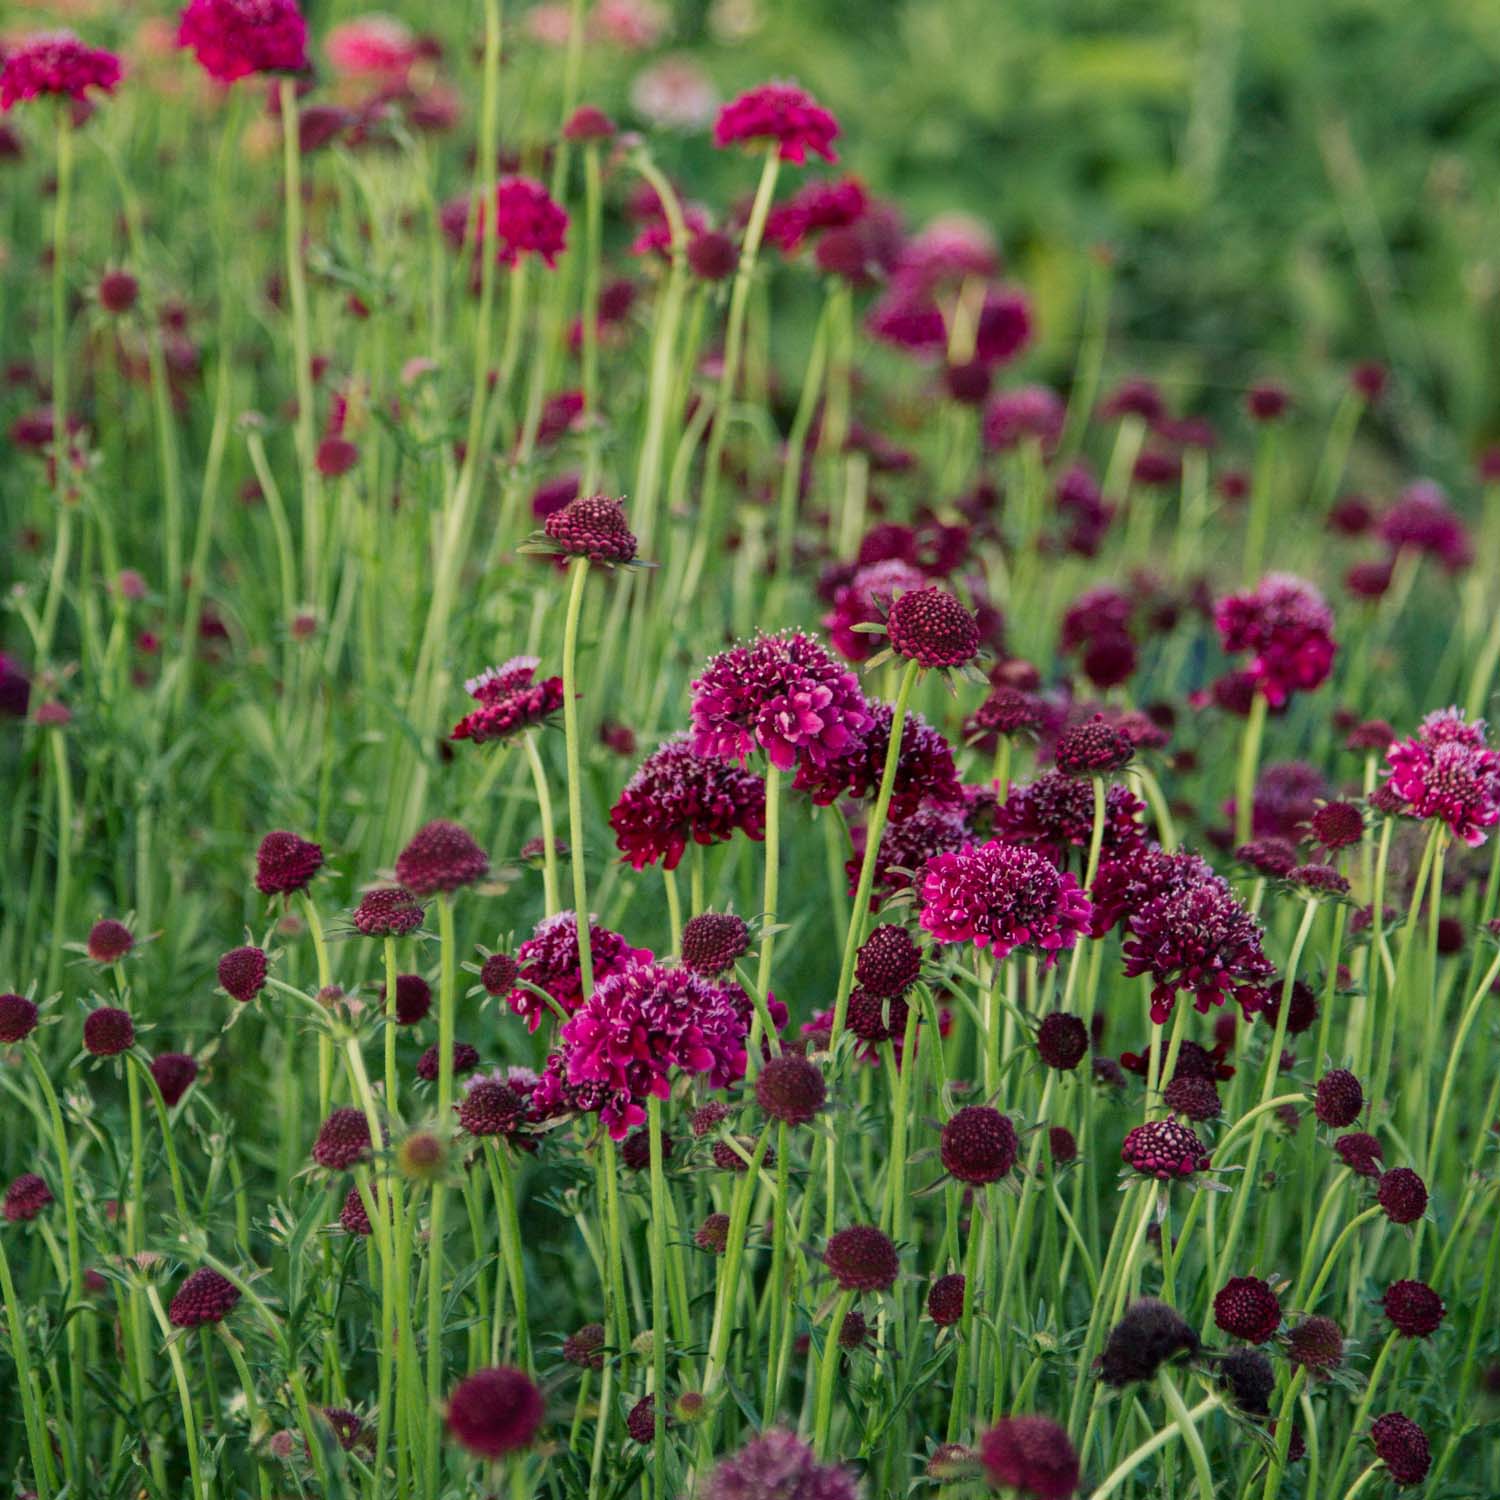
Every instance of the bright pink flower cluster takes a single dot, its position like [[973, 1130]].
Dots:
[[782, 694], [677, 795], [1003, 897], [815, 208], [235, 38], [549, 960], [782, 113], [55, 63], [527, 221], [509, 701], [1125, 885], [1446, 771], [1288, 627]]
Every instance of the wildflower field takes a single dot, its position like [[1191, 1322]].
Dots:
[[744, 751]]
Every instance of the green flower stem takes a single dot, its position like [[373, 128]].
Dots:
[[1394, 1000], [660, 1314], [1101, 1304], [1276, 1469], [791, 471], [502, 1183], [1244, 788], [184, 1392], [33, 1410], [1187, 1427], [392, 1077], [578, 572], [544, 811], [1479, 998], [136, 1059], [62, 779], [325, 979], [769, 899], [674, 907], [1262, 494], [1127, 1466], [1308, 1299], [828, 1370], [253, 1410], [1357, 1425], [1365, 1477], [62, 546], [959, 1407]]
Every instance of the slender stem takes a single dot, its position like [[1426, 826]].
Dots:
[[58, 578], [435, 1257], [578, 572], [1244, 791], [1159, 1439], [659, 1309], [544, 810], [184, 1392], [823, 1418], [770, 897]]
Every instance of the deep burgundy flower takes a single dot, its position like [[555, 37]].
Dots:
[[1339, 1098], [1403, 1195], [1062, 1145], [204, 1297], [1247, 1375], [15, 685], [528, 222], [588, 123], [498, 974], [495, 1411], [585, 1347], [117, 291], [708, 1117], [874, 1019], [549, 960], [1402, 1446], [413, 999], [1414, 1308], [25, 1197], [109, 941], [933, 628], [55, 63], [1030, 411], [635, 1150], [641, 1421], [1422, 520], [1150, 1334], [441, 857], [387, 911], [1031, 1456], [242, 973], [713, 1234], [790, 1089], [677, 796], [888, 962], [1003, 897], [1284, 622], [174, 1073], [343, 1139], [1192, 1097], [465, 1060], [713, 941], [490, 1106], [1359, 1152], [1128, 883], [780, 693], [945, 1300], [1445, 771], [1317, 1344], [352, 1216], [978, 1144], [1301, 1015], [592, 526], [1337, 825], [1265, 402], [1165, 1150], [510, 701], [1007, 711], [108, 1031], [1093, 748], [1062, 1040], [1055, 814], [866, 600], [1246, 1308], [285, 864], [925, 770], [735, 1156], [813, 209], [862, 1258], [18, 1018], [906, 847], [235, 38], [779, 113], [778, 1465], [712, 255]]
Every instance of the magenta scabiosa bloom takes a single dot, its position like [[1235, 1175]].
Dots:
[[174, 1073], [1414, 1308], [56, 64], [1446, 772], [790, 1089], [25, 1197], [1403, 1195], [933, 628], [1093, 748], [1421, 520], [925, 771], [1003, 897], [978, 1144], [510, 700], [242, 973], [1339, 1098], [1246, 1308], [495, 1411], [1147, 1337], [862, 1258], [549, 960], [1031, 1456], [866, 600], [387, 911], [1031, 411], [945, 1300], [343, 1139], [1317, 1344], [677, 796], [813, 209], [782, 115], [1402, 1447], [906, 847], [108, 1031], [1287, 626], [441, 858], [888, 962], [1165, 1150], [18, 1018], [592, 526], [109, 941], [713, 941], [527, 222], [285, 863], [1055, 814], [204, 1297], [234, 38], [782, 694]]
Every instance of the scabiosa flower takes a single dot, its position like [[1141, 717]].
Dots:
[[585, 1347], [678, 795], [736, 1155], [635, 1150], [1339, 1098], [778, 1465], [441, 857], [352, 1216], [1249, 1378], [1337, 825], [174, 1073], [413, 999], [465, 1060], [708, 1117], [1414, 1308], [779, 113], [978, 1144], [1130, 882], [945, 1299], [55, 63], [906, 847], [1359, 1152], [549, 960], [641, 1420], [713, 941], [527, 222], [386, 911], [18, 1018], [204, 1297], [495, 1411], [1003, 897], [1165, 1150], [490, 1106], [790, 1089], [888, 962], [25, 1197], [343, 1139], [1094, 748], [1150, 1334], [1421, 520], [862, 1259], [109, 941], [592, 526], [925, 772], [1007, 711], [1062, 1041], [782, 694], [498, 974], [1030, 1455], [285, 864], [1403, 1195], [1192, 1097], [1317, 1344], [1246, 1308], [242, 973], [932, 627], [1402, 1447], [713, 1234], [1288, 627], [510, 701], [1446, 772], [1055, 814], [866, 600], [108, 1031]]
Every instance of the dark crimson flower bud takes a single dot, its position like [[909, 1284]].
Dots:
[[854, 1331], [1368, 378], [1150, 1334], [1193, 1097], [388, 911], [585, 1348], [1265, 402], [782, 114], [109, 941], [174, 1073], [1414, 1308], [498, 974], [25, 1197], [874, 1020], [635, 1150], [343, 1139], [1031, 1456], [1246, 1308], [641, 1420], [588, 123], [1093, 748], [790, 1089], [707, 1119], [1062, 1041], [336, 455], [18, 1017], [117, 291], [712, 255], [1402, 1446], [1271, 856], [713, 1234], [862, 1259], [242, 973], [1403, 1195], [1249, 1378], [441, 857], [490, 1106], [495, 1411], [285, 864], [1317, 1344], [1303, 1011], [108, 1031], [978, 1144], [727, 1159], [465, 1060], [1361, 1153], [352, 1215], [945, 1300], [888, 962], [1061, 1145], [346, 1425], [1339, 1098], [1165, 1150], [713, 941], [593, 527], [1337, 825], [413, 999], [932, 627], [204, 1297]]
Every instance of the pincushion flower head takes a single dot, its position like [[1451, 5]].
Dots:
[[108, 1031], [713, 942], [205, 1296], [777, 1465], [440, 858], [1402, 1447], [1093, 748], [862, 1258], [1165, 1150], [549, 960], [1413, 1308], [780, 115], [1055, 814], [109, 941], [1031, 1456], [527, 222], [593, 526], [925, 770], [1287, 627], [242, 973], [1003, 897], [1147, 1337], [25, 1197], [510, 701], [376, 47], [1246, 1307], [814, 209], [978, 1144], [680, 796], [18, 1018], [234, 38], [782, 694], [387, 911], [285, 863], [866, 600], [55, 64], [1446, 772], [495, 1411], [933, 628]]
